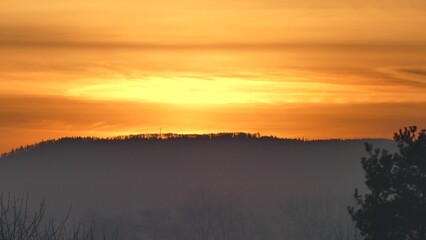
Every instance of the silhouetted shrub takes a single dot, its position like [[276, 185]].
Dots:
[[19, 222]]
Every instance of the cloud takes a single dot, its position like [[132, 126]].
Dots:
[[69, 35], [405, 76]]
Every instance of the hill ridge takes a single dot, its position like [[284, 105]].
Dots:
[[176, 136]]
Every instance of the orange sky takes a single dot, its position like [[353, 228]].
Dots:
[[305, 68]]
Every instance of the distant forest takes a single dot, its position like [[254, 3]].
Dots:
[[165, 136], [225, 186]]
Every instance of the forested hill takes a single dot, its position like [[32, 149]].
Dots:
[[129, 173]]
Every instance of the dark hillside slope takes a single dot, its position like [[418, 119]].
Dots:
[[113, 176]]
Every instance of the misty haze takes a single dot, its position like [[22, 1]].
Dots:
[[146, 185], [212, 120]]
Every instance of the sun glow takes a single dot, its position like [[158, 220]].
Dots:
[[179, 90], [213, 90], [294, 68]]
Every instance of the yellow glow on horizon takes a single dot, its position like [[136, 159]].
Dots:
[[176, 90], [207, 89], [294, 68], [210, 90]]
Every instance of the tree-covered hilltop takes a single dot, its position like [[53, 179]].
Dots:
[[140, 137], [159, 171], [153, 137], [140, 179]]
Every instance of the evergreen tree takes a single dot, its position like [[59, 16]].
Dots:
[[395, 207]]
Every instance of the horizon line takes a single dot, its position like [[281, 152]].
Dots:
[[171, 136]]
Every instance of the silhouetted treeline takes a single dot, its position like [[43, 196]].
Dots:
[[117, 181], [164, 137], [144, 137], [112, 176]]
